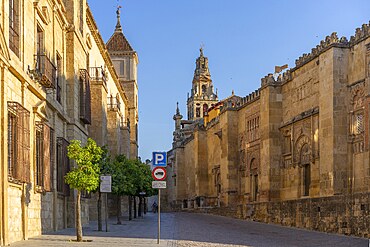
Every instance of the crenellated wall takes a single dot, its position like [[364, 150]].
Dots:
[[294, 152]]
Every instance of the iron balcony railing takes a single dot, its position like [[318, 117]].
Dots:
[[44, 71], [98, 74], [114, 103]]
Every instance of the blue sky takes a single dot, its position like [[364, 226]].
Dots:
[[242, 39]]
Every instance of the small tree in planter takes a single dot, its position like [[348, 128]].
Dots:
[[85, 175]]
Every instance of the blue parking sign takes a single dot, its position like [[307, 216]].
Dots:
[[159, 159]]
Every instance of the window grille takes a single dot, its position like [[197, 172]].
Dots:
[[359, 123], [18, 143], [52, 159], [63, 166], [43, 154], [85, 97]]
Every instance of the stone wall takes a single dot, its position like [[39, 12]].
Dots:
[[335, 214], [15, 226]]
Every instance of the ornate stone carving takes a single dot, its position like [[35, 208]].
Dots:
[[302, 147], [358, 95]]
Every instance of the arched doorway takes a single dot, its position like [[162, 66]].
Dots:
[[253, 179], [305, 157]]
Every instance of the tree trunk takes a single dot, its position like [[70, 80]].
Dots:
[[78, 217], [119, 210], [135, 209], [100, 225], [140, 206], [145, 206], [129, 208]]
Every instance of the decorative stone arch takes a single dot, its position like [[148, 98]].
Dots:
[[303, 154], [302, 142], [253, 160]]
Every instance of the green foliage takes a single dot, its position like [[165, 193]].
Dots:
[[85, 175], [130, 177]]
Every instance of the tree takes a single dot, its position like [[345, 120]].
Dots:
[[123, 180], [85, 175], [145, 184]]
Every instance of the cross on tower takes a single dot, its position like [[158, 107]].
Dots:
[[201, 49], [118, 26]]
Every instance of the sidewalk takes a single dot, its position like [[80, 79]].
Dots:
[[140, 232]]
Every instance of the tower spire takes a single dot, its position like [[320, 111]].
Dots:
[[118, 25], [177, 109]]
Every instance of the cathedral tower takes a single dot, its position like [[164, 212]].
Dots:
[[202, 96], [125, 61]]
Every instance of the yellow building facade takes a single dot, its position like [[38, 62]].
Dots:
[[58, 83], [294, 152]]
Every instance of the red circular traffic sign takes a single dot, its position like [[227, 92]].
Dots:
[[159, 173]]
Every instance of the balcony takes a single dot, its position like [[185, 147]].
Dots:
[[113, 103], [44, 71], [97, 74], [124, 124]]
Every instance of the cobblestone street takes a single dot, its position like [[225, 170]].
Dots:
[[188, 230]]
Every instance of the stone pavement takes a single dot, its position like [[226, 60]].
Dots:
[[193, 230], [140, 232]]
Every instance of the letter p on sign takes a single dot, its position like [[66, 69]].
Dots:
[[159, 159]]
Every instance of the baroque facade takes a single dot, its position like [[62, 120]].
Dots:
[[58, 83], [294, 152]]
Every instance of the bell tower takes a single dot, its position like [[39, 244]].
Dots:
[[202, 95], [125, 61]]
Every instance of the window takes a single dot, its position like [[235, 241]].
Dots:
[[253, 129], [40, 41], [59, 79], [62, 166], [287, 144], [14, 26], [359, 123], [18, 143], [204, 89], [205, 109], [197, 110], [122, 67], [43, 154]]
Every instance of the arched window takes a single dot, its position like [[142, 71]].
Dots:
[[197, 112], [204, 89], [205, 109]]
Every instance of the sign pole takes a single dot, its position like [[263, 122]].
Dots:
[[106, 212], [159, 215]]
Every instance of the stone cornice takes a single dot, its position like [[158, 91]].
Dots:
[[301, 116]]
